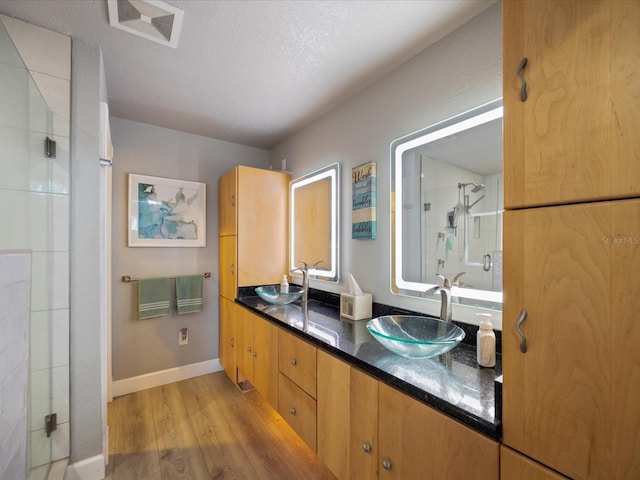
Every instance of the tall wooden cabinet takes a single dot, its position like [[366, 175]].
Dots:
[[570, 398], [252, 225]]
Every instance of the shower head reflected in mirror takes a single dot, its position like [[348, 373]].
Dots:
[[476, 186]]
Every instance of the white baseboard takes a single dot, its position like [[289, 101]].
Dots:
[[163, 377], [88, 469]]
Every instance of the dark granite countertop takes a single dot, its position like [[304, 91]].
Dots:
[[452, 383]]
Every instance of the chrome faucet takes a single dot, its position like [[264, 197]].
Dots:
[[445, 294], [305, 279]]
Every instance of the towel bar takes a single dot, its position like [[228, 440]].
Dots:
[[127, 278]]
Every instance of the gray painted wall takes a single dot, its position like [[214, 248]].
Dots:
[[144, 346], [86, 334], [459, 72]]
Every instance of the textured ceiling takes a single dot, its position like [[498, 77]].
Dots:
[[251, 72]]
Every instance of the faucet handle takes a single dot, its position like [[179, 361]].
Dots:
[[446, 283], [456, 279], [433, 290]]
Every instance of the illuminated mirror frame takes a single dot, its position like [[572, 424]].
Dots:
[[459, 123], [331, 173]]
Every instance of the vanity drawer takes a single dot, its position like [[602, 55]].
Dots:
[[297, 360], [298, 409]]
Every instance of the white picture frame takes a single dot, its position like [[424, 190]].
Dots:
[[164, 212]]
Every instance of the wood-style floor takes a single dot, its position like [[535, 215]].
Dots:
[[204, 428]]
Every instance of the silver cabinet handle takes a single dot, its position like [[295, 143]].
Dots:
[[248, 349], [233, 342], [386, 463], [294, 361], [523, 87], [523, 341], [366, 447], [254, 354], [292, 410]]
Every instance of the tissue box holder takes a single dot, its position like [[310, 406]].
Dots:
[[355, 307]]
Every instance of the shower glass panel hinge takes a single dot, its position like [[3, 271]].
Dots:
[[49, 148], [50, 423]]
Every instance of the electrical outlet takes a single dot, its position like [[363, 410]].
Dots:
[[183, 336]]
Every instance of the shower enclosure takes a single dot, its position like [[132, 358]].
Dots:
[[34, 207]]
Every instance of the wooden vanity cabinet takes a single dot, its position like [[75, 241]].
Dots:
[[390, 435], [419, 442], [297, 385], [298, 409], [363, 425], [257, 354], [571, 401], [515, 466], [228, 337], [575, 138], [333, 414], [297, 360]]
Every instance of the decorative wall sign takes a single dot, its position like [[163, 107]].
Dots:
[[363, 204], [166, 213]]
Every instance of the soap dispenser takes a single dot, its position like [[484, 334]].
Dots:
[[284, 285], [486, 342]]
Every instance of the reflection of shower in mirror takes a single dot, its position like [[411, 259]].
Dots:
[[464, 239], [461, 181]]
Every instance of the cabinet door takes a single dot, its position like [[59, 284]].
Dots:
[[263, 201], [227, 337], [570, 401], [514, 466], [227, 266], [298, 409], [575, 137], [297, 360], [363, 426], [625, 308], [418, 442], [244, 334], [333, 414], [265, 359], [227, 200]]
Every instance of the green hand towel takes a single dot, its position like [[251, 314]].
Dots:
[[189, 294], [154, 296]]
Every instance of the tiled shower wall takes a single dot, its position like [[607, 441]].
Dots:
[[35, 68], [15, 275]]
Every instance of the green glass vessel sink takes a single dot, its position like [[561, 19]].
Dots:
[[271, 294], [414, 336]]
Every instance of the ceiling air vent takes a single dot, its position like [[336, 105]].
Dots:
[[151, 19]]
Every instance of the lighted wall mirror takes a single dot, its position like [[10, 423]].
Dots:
[[314, 232], [447, 206]]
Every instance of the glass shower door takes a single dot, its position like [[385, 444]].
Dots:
[[34, 201]]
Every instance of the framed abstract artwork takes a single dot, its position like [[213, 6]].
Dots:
[[164, 212]]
